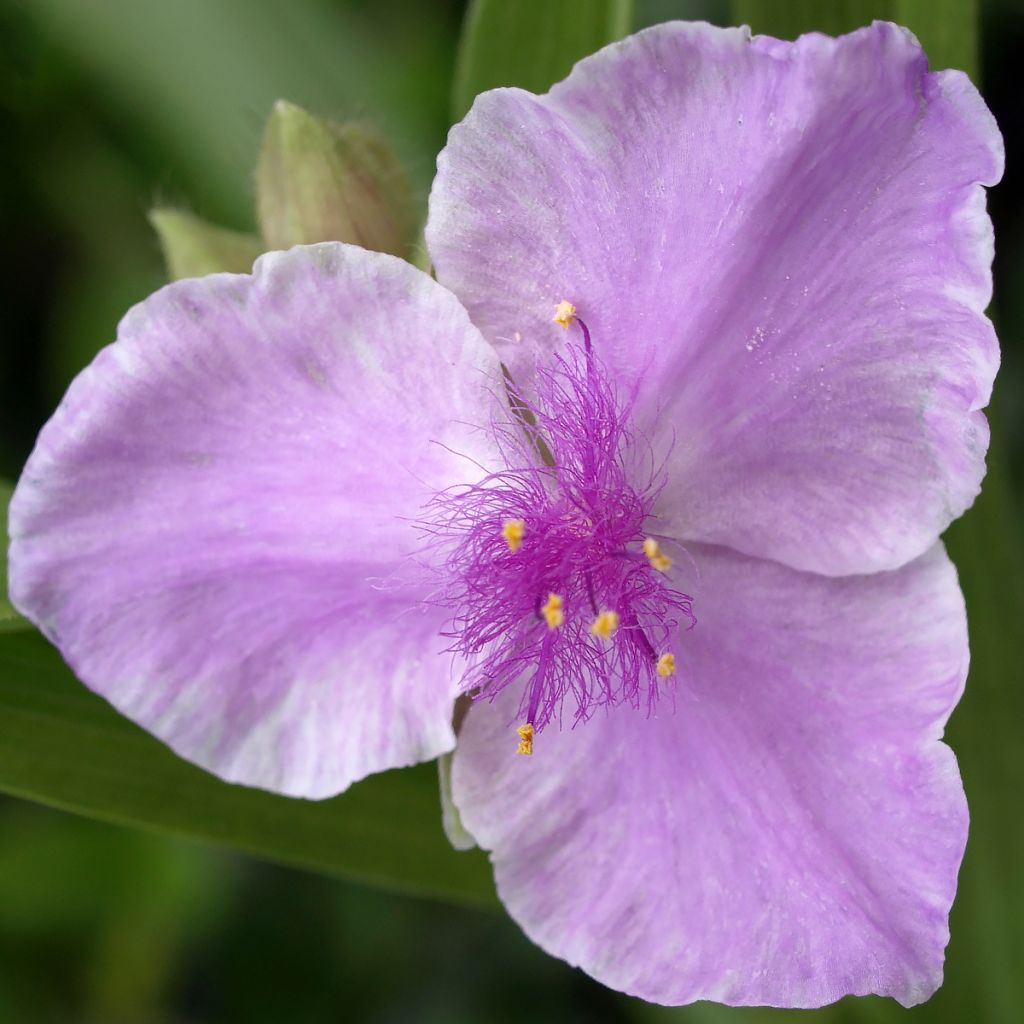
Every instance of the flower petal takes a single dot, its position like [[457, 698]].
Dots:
[[790, 835], [783, 244], [214, 526]]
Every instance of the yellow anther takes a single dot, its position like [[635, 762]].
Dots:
[[658, 559], [525, 732], [552, 611], [667, 665], [605, 624], [512, 530], [564, 312]]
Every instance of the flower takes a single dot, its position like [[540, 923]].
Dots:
[[286, 519]]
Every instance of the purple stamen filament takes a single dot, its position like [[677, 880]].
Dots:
[[552, 578]]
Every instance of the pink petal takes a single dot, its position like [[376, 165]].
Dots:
[[214, 526], [784, 245], [790, 835]]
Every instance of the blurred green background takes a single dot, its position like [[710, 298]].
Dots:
[[108, 108]]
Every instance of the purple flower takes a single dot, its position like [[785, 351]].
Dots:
[[683, 548]]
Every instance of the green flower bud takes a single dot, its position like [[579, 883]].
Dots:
[[318, 181], [192, 247]]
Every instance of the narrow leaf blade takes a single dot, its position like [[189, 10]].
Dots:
[[64, 746], [531, 43]]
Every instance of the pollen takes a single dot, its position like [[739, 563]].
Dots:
[[513, 530], [525, 733], [658, 559], [553, 612], [564, 313], [605, 624], [667, 665]]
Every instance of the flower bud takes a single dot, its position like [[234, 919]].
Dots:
[[193, 247], [319, 181]]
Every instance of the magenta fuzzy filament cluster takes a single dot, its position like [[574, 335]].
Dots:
[[554, 580]]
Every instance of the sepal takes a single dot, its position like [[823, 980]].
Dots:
[[193, 247], [320, 181]]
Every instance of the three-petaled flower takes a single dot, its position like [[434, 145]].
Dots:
[[288, 518]]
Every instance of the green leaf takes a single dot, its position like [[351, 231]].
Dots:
[[64, 746], [531, 43], [9, 618], [947, 29]]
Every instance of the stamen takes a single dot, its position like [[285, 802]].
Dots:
[[605, 624], [513, 531], [667, 665], [553, 612], [658, 559], [564, 313], [541, 620], [525, 733]]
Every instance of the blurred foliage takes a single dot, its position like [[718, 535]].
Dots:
[[948, 29], [530, 43], [108, 108]]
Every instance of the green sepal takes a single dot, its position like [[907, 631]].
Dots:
[[319, 181], [193, 247]]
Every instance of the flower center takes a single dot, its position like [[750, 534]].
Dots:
[[554, 578]]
